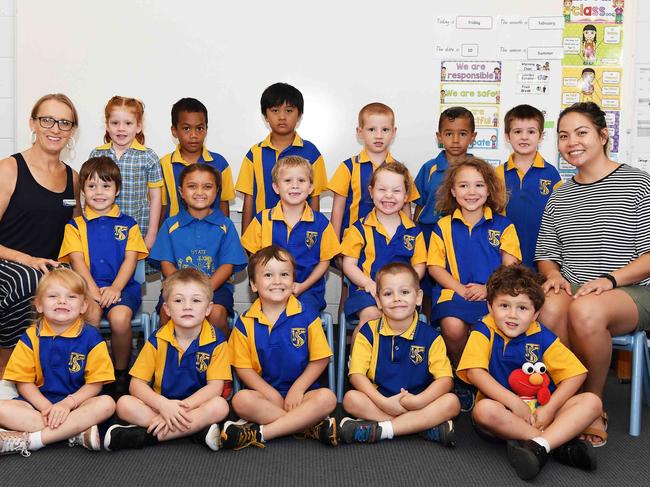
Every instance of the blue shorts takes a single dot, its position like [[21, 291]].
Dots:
[[357, 300], [312, 300], [471, 312], [222, 296], [131, 297]]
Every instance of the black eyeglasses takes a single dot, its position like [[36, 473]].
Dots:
[[48, 123]]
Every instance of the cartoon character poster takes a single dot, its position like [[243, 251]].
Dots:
[[592, 44]]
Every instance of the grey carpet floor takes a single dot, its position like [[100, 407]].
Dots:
[[410, 461]]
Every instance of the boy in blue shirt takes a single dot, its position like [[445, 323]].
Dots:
[[103, 245], [399, 369], [282, 107], [294, 226], [528, 178], [279, 350], [178, 377], [190, 128], [528, 381]]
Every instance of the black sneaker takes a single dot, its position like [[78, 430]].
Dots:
[[209, 436], [121, 386], [577, 453], [443, 433], [359, 431], [325, 432], [237, 435], [465, 396], [120, 437], [527, 457]]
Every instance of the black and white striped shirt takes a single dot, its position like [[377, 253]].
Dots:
[[597, 228]]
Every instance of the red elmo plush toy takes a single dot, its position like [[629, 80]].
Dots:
[[531, 382]]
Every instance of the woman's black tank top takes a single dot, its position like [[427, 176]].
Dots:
[[35, 218]]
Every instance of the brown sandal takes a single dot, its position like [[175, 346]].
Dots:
[[598, 432]]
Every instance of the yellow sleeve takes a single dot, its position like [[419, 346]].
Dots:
[[155, 184], [475, 356], [558, 184], [166, 160], [145, 365], [439, 364], [330, 246], [340, 182], [500, 173], [420, 251], [360, 356], [71, 243], [510, 242], [246, 178], [414, 194], [251, 240], [320, 176], [239, 350], [99, 367], [561, 363], [318, 346], [437, 253], [135, 242], [22, 364], [227, 187], [219, 367], [352, 244]]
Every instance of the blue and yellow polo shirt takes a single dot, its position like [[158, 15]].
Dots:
[[255, 173], [351, 180], [204, 244], [175, 373], [279, 352], [60, 364], [368, 241], [487, 348], [310, 241], [470, 254], [527, 196], [104, 241], [411, 360], [172, 166]]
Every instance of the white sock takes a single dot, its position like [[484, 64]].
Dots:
[[386, 430], [262, 434], [35, 441], [542, 441]]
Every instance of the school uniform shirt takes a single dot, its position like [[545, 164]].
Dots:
[[279, 352], [489, 349], [411, 360], [172, 166], [310, 241], [140, 170], [175, 373], [103, 240], [204, 244], [351, 180], [255, 173], [527, 197], [60, 365]]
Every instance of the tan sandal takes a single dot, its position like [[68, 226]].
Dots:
[[597, 432]]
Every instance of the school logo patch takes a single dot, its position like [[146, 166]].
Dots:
[[76, 362], [310, 239], [409, 242], [202, 360], [494, 237], [531, 353], [120, 232], [417, 354], [544, 186], [298, 336]]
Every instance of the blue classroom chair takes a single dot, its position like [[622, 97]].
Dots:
[[637, 343]]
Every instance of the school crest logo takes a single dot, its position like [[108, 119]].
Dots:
[[494, 237], [202, 360], [310, 239], [120, 232], [544, 186], [76, 362], [409, 242], [417, 354], [298, 336], [531, 353]]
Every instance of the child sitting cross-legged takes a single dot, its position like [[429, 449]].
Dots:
[[399, 370], [178, 378], [279, 350], [528, 381]]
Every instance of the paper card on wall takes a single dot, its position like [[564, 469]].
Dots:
[[598, 84], [592, 44], [593, 11], [470, 71]]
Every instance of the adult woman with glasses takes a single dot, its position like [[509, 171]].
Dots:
[[39, 194]]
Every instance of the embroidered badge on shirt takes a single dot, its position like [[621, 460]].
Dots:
[[298, 337], [494, 237], [310, 239], [120, 232], [409, 241], [76, 362], [417, 354], [202, 360], [544, 186], [531, 352]]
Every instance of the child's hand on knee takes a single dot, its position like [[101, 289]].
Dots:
[[392, 405], [521, 409], [410, 401], [174, 413], [293, 399], [56, 414], [109, 295], [371, 288], [543, 417], [475, 292], [158, 427]]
